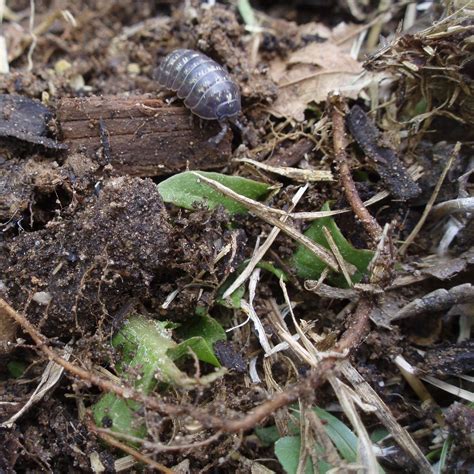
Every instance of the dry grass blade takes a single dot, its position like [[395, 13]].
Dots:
[[365, 447], [34, 38], [416, 384], [262, 250], [431, 201], [263, 213], [50, 377], [249, 310], [450, 388], [410, 374], [336, 252], [296, 174], [312, 215], [306, 351], [454, 206], [401, 436]]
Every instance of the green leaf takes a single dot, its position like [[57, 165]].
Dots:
[[342, 437], [441, 466], [233, 301], [268, 435], [119, 415], [247, 13], [186, 190], [378, 434], [199, 346], [143, 344], [204, 326], [269, 267], [16, 368], [200, 334], [310, 267], [287, 451]]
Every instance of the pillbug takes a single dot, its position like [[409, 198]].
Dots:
[[206, 87]]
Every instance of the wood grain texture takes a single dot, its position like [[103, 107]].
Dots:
[[140, 136]]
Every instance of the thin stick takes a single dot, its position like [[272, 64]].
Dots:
[[338, 107], [337, 254], [158, 447], [261, 211], [350, 339], [34, 38], [129, 450], [432, 200], [261, 251]]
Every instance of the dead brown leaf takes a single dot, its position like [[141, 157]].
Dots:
[[310, 73]]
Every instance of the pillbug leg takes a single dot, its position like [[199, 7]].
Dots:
[[243, 129], [240, 126], [170, 100], [218, 138]]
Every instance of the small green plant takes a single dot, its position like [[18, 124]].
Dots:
[[310, 267], [16, 368], [187, 190], [146, 357], [287, 448]]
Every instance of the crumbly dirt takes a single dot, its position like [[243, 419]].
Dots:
[[82, 245], [79, 271]]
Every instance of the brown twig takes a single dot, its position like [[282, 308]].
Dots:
[[159, 447], [129, 450], [350, 339], [103, 384], [338, 110]]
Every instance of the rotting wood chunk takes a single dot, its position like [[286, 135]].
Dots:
[[140, 136], [27, 120], [388, 166]]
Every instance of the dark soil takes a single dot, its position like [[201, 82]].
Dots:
[[83, 244]]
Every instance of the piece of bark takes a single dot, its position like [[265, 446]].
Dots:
[[391, 170], [140, 136], [27, 120], [291, 155], [450, 359]]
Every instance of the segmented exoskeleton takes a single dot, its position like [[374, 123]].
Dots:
[[204, 85]]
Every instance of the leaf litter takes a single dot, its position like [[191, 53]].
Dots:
[[366, 137]]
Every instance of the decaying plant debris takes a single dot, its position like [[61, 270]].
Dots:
[[332, 248]]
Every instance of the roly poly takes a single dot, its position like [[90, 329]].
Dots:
[[206, 87]]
